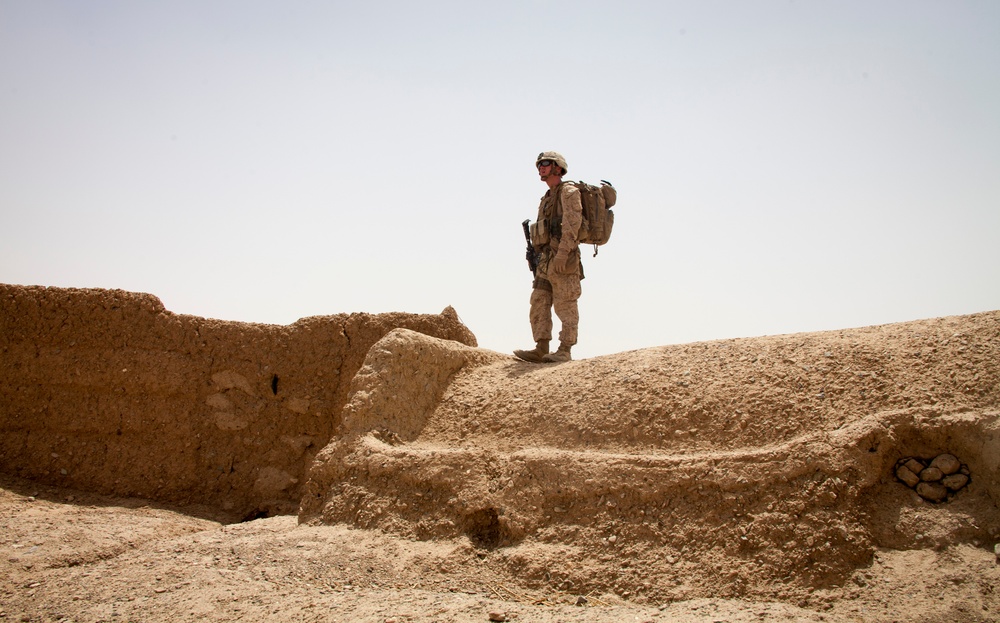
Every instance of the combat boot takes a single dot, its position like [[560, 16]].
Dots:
[[534, 356], [559, 356]]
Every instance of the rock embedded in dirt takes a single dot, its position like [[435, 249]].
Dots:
[[932, 491], [933, 480], [947, 463], [955, 481], [931, 474], [908, 477]]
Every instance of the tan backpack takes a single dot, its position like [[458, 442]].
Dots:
[[598, 217]]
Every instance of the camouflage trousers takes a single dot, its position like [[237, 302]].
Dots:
[[552, 291]]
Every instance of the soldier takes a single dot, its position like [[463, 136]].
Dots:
[[559, 271]]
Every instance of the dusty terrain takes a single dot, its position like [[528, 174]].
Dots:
[[73, 556], [736, 480], [107, 391]]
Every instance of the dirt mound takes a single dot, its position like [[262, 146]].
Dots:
[[737, 480], [107, 391], [759, 468]]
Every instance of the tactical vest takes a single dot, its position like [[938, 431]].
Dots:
[[551, 212]]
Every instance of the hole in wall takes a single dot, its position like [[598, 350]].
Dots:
[[255, 514], [961, 509], [483, 528], [274, 384]]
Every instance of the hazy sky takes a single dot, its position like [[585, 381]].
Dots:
[[781, 166]]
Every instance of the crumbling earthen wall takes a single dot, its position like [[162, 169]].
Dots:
[[108, 391], [757, 464]]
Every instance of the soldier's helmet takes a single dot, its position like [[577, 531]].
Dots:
[[555, 157]]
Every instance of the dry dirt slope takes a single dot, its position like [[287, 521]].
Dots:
[[736, 480], [760, 467], [108, 391]]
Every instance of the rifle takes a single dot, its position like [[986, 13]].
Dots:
[[531, 255]]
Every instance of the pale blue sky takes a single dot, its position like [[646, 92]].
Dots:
[[781, 166]]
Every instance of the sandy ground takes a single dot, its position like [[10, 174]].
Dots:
[[73, 556], [744, 480]]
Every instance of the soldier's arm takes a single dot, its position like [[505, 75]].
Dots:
[[572, 218]]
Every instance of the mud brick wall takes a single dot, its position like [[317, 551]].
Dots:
[[108, 391]]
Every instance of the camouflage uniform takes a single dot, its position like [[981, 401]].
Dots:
[[562, 212]]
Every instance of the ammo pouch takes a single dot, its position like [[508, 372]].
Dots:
[[540, 235]]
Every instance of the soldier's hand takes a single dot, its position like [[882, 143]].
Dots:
[[561, 262]]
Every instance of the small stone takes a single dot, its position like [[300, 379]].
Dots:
[[498, 616], [906, 476], [612, 539], [932, 491], [914, 465], [955, 481], [582, 601], [996, 552], [947, 463], [931, 474], [826, 498]]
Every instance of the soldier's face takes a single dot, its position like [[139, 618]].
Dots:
[[544, 170]]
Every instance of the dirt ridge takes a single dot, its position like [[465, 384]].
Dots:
[[720, 454], [106, 390], [737, 480]]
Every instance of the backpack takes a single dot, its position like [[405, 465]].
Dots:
[[598, 217]]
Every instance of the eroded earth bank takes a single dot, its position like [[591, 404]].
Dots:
[[383, 468]]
